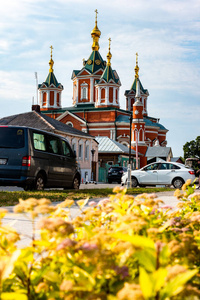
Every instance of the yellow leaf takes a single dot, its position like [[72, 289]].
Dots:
[[13, 296], [82, 203], [146, 284]]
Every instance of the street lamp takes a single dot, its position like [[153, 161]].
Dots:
[[129, 162], [92, 175]]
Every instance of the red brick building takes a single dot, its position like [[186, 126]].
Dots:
[[96, 104]]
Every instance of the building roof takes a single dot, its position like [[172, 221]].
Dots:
[[109, 74], [106, 145], [147, 120], [133, 88], [158, 151], [41, 121], [51, 79], [93, 64]]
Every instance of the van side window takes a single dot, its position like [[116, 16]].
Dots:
[[66, 149], [39, 141], [53, 145]]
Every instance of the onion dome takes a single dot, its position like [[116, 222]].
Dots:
[[95, 33], [51, 62]]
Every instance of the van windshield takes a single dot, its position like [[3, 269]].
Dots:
[[11, 137]]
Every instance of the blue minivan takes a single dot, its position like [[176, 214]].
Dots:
[[35, 159]]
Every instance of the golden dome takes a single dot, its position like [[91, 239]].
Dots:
[[136, 67], [95, 33], [51, 62], [109, 55]]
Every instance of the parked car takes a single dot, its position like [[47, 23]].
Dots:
[[160, 173], [35, 159], [115, 174]]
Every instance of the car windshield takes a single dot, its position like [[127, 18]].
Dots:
[[11, 137]]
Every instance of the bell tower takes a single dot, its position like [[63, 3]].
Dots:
[[131, 94], [107, 88], [138, 124], [50, 90]]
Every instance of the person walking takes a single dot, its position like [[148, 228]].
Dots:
[[198, 173]]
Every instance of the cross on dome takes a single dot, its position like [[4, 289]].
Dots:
[[109, 55], [136, 67], [51, 62]]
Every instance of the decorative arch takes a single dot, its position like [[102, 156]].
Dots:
[[135, 135], [84, 91], [141, 135], [70, 124], [44, 99]]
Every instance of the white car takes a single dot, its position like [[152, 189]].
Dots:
[[160, 173]]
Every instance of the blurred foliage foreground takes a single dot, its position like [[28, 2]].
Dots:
[[123, 248]]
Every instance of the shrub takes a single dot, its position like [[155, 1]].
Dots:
[[123, 248]]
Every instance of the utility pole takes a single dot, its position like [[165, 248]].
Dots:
[[129, 163], [36, 78]]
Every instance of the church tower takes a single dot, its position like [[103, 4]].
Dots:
[[138, 123], [84, 79], [107, 88], [50, 90], [131, 94]]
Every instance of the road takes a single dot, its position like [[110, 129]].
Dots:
[[82, 186]]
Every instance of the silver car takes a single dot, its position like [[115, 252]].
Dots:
[[160, 173]]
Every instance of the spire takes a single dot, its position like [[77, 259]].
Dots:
[[109, 55], [137, 95], [136, 67], [51, 62], [95, 33]]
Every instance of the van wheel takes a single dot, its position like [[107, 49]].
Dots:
[[75, 184], [39, 182], [28, 187]]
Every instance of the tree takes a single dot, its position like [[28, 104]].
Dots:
[[192, 148]]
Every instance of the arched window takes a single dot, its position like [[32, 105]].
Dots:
[[70, 124], [58, 99], [110, 94], [84, 91], [51, 98], [44, 99], [103, 94]]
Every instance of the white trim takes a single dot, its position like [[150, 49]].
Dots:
[[101, 124], [102, 128], [72, 115], [151, 131]]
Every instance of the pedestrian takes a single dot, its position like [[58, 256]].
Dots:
[[198, 173]]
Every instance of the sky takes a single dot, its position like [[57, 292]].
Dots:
[[164, 33]]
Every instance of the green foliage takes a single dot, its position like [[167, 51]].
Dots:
[[124, 247], [192, 148]]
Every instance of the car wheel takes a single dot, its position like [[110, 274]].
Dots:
[[134, 182], [39, 182], [75, 183], [178, 183]]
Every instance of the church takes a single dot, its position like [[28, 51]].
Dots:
[[96, 105]]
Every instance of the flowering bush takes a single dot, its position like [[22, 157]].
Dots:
[[124, 247]]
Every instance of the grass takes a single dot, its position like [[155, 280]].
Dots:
[[12, 198]]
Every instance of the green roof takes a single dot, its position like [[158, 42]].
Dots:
[[108, 74], [51, 79], [133, 87], [94, 62]]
